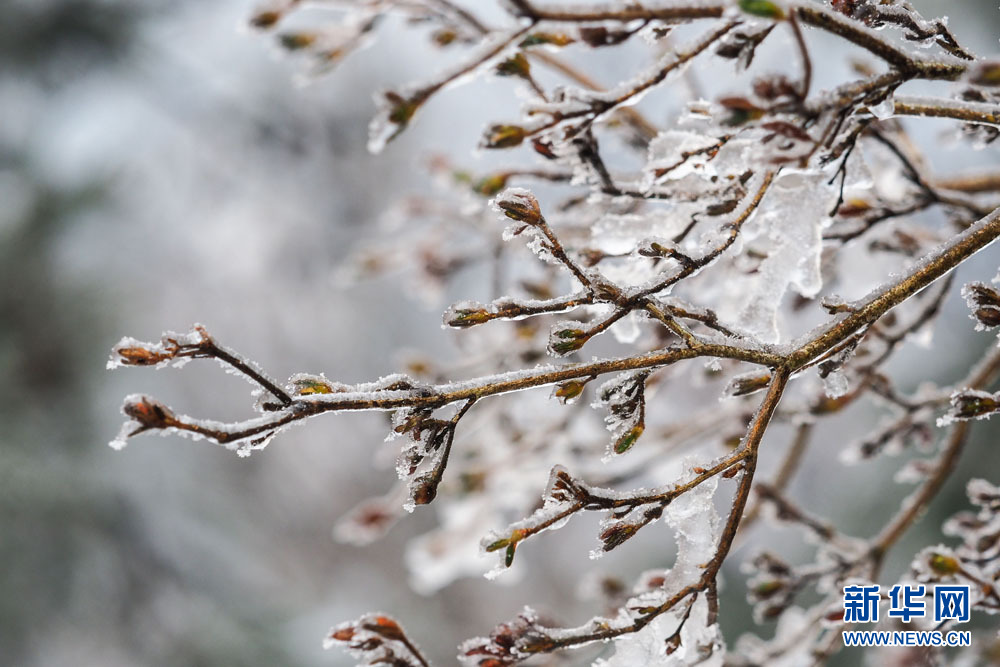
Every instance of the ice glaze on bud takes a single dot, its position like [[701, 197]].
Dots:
[[303, 384], [564, 341], [395, 113], [424, 489], [972, 404], [570, 390], [375, 639], [985, 305], [943, 564], [509, 543], [467, 317], [624, 443], [519, 204], [617, 534], [137, 355], [148, 413]]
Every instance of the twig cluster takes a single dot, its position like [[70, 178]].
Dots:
[[741, 200]]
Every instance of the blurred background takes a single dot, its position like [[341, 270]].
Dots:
[[161, 165]]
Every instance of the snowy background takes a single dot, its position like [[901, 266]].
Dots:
[[161, 165]]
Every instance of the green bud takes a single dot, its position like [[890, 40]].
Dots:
[[764, 8], [945, 565], [567, 340], [766, 589], [296, 41], [516, 65], [625, 442], [402, 109], [553, 38], [971, 405], [499, 544], [504, 136], [569, 390], [491, 185], [309, 386], [468, 317]]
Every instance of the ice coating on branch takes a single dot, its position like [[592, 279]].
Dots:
[[884, 109], [328, 45], [565, 100], [792, 645], [618, 234], [700, 643], [491, 481], [452, 551], [572, 102], [148, 415], [793, 227], [914, 471], [517, 204], [835, 383], [520, 205], [558, 502], [177, 349], [508, 644], [421, 460], [371, 519], [393, 111], [627, 330], [675, 154], [697, 528]]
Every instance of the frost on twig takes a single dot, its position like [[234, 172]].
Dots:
[[177, 349], [376, 639], [976, 561], [971, 404]]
